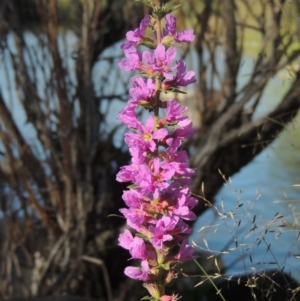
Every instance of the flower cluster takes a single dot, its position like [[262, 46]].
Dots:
[[158, 200]]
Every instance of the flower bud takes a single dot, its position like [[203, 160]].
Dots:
[[153, 289], [167, 40], [170, 277], [169, 298], [166, 86], [154, 271]]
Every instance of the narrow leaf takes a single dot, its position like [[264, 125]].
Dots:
[[174, 7]]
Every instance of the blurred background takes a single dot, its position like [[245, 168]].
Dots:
[[61, 144]]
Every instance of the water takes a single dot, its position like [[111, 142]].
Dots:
[[263, 195], [254, 225], [259, 198]]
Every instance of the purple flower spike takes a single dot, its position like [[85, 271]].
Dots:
[[158, 198]]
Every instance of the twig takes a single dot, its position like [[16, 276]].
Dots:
[[105, 274], [210, 280], [51, 256]]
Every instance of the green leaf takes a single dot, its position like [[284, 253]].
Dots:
[[147, 75], [165, 266], [146, 104], [178, 91], [174, 7], [159, 14], [148, 43], [132, 186]]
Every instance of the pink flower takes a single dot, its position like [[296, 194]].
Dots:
[[161, 60], [146, 137], [138, 249], [170, 30], [142, 89], [134, 62], [169, 298], [126, 173], [125, 239], [143, 179], [185, 129], [175, 111], [185, 252], [159, 237], [176, 201], [132, 198], [181, 79], [182, 210], [177, 165], [135, 141], [135, 37], [138, 155], [134, 217], [160, 175], [128, 116], [183, 228], [160, 231], [141, 273]]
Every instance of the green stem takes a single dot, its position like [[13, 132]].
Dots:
[[160, 282], [158, 78], [158, 31], [156, 107], [159, 279]]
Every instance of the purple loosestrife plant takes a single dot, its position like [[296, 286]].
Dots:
[[158, 198]]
